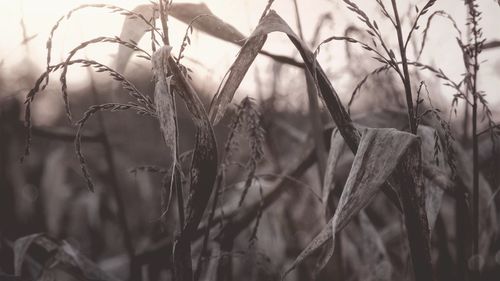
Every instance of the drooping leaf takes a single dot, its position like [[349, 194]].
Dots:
[[245, 58], [272, 22], [133, 29], [204, 163], [336, 148], [167, 116], [164, 99], [61, 255], [20, 249], [202, 173], [372, 166], [212, 25]]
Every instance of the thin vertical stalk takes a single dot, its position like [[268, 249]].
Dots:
[[462, 224], [177, 180], [163, 20], [410, 181], [475, 181], [183, 267], [297, 17], [475, 269], [406, 80], [466, 58], [465, 125]]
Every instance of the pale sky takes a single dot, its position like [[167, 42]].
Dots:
[[216, 56]]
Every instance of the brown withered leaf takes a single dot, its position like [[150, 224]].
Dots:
[[372, 166], [58, 255], [336, 147], [164, 99], [133, 29], [272, 22], [212, 25], [202, 173]]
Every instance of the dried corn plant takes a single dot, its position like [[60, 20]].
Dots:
[[382, 211]]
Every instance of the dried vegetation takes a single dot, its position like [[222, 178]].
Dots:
[[435, 217]]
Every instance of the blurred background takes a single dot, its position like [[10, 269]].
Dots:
[[48, 194]]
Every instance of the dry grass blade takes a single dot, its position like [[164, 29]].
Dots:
[[203, 172], [349, 40], [204, 164], [133, 29], [372, 166], [336, 147], [360, 84], [237, 72], [20, 249], [272, 22], [415, 26], [167, 116], [428, 25], [164, 100], [212, 25]]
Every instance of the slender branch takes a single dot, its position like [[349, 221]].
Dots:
[[406, 80], [488, 130], [163, 19], [473, 70], [491, 45]]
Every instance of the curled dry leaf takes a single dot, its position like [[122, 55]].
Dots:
[[58, 253], [164, 99], [166, 112], [20, 249], [336, 148], [372, 166], [204, 164], [237, 72], [202, 173], [133, 29], [212, 25], [272, 22]]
